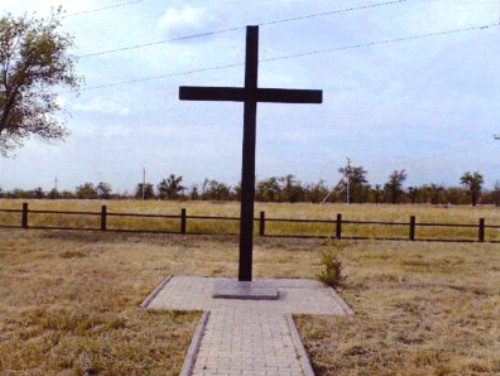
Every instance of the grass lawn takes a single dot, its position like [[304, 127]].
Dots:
[[69, 303], [422, 309]]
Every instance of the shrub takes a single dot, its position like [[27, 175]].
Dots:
[[333, 274]]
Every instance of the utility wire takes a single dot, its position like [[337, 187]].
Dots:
[[386, 41], [119, 5], [209, 33], [329, 13], [151, 78], [149, 44], [293, 56]]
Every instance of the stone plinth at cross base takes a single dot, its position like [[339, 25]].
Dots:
[[247, 337], [255, 290]]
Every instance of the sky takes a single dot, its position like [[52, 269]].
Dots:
[[429, 105]]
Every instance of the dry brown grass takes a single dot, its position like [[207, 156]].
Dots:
[[422, 309], [69, 300], [69, 303]]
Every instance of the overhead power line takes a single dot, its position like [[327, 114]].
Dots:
[[151, 78], [332, 12], [302, 54], [119, 5], [386, 41], [165, 41], [210, 33]]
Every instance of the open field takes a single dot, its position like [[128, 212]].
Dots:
[[69, 303], [422, 309], [386, 213]]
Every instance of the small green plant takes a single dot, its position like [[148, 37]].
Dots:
[[333, 274]]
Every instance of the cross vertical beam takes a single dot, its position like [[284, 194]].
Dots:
[[250, 95], [248, 157]]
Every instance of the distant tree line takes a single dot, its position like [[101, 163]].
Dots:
[[352, 188]]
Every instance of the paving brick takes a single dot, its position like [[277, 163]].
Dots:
[[248, 337]]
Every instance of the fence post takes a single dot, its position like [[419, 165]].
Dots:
[[412, 228], [338, 227], [262, 223], [481, 230], [24, 219], [104, 214], [183, 221]]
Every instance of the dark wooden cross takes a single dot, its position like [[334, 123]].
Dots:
[[249, 95]]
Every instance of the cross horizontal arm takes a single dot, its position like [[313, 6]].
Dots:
[[235, 94], [289, 96], [203, 93]]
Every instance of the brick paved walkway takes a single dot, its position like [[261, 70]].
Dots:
[[248, 337]]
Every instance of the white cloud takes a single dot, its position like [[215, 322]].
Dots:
[[176, 19], [103, 105]]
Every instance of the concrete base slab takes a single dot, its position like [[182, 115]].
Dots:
[[254, 290]]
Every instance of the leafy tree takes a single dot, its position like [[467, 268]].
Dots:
[[496, 194], [148, 191], [297, 193], [68, 195], [33, 59], [38, 193], [86, 191], [194, 195], [53, 194], [287, 182], [316, 192], [454, 195], [394, 187], [291, 190], [378, 194], [434, 193], [103, 190], [171, 187], [437, 194], [214, 190], [237, 192], [21, 193], [473, 182], [334, 195], [354, 182], [413, 193], [268, 190]]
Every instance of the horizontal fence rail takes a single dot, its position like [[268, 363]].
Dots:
[[336, 227]]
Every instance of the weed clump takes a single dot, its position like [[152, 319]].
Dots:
[[333, 273]]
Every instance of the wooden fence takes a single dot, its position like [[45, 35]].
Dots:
[[335, 228]]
